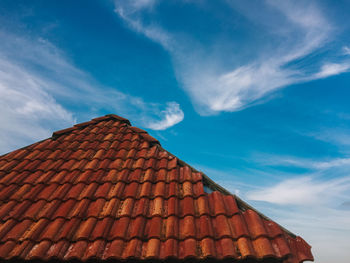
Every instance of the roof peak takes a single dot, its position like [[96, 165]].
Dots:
[[144, 134], [58, 133]]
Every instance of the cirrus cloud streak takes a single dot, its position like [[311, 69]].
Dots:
[[292, 31]]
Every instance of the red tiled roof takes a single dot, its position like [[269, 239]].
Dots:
[[106, 190]]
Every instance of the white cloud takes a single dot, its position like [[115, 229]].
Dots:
[[302, 191], [136, 5], [126, 9], [332, 163], [294, 30], [169, 117], [339, 137], [307, 21], [237, 89], [331, 69], [28, 111], [39, 86], [346, 50], [278, 160]]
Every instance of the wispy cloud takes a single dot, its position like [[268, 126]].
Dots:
[[303, 191], [39, 86], [127, 11], [169, 117], [338, 137], [346, 50], [331, 69], [308, 163], [294, 31], [28, 110], [138, 4]]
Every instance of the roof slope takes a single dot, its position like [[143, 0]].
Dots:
[[104, 189]]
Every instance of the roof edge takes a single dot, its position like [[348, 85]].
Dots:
[[216, 187], [242, 204]]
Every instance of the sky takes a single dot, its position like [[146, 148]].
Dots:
[[256, 94]]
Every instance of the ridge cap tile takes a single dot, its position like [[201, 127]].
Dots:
[[136, 129], [149, 138], [60, 132], [114, 116]]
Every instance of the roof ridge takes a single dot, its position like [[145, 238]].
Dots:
[[144, 134], [58, 133]]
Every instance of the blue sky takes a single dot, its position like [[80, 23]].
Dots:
[[253, 93]]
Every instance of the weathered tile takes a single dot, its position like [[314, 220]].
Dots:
[[105, 190]]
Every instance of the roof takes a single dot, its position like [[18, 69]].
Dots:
[[104, 189]]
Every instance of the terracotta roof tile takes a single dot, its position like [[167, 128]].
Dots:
[[104, 189]]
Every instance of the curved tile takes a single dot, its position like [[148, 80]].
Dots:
[[104, 190]]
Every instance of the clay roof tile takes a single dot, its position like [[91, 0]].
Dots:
[[103, 190]]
